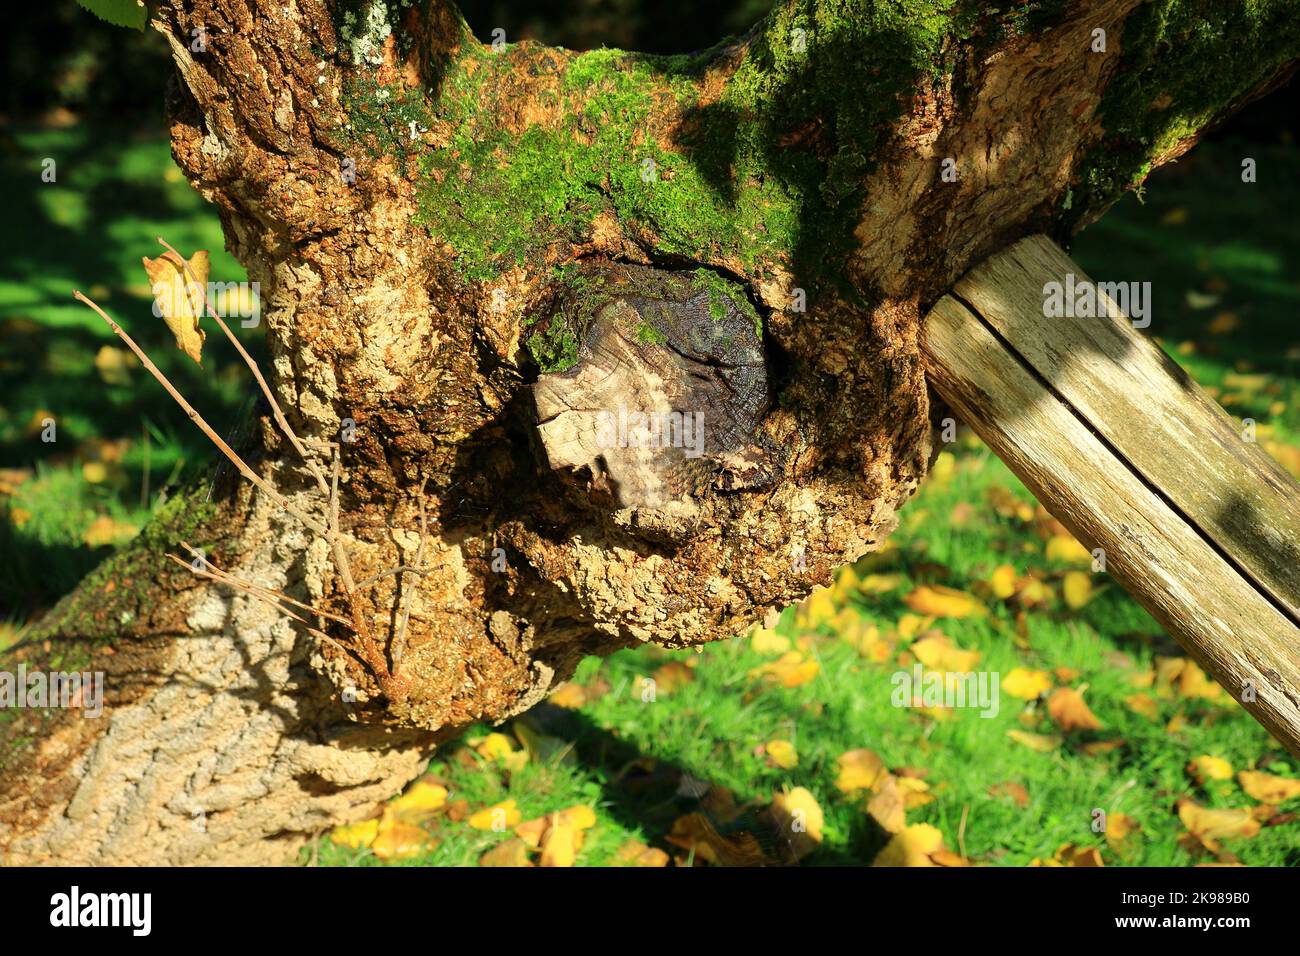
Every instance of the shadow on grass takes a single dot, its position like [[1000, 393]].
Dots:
[[649, 791]]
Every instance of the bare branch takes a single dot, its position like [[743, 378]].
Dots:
[[280, 418], [198, 419]]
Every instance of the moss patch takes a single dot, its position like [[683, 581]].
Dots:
[[770, 170], [554, 348], [1185, 63]]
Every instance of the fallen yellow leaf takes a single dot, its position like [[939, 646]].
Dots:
[[1267, 787], [105, 530], [1143, 704], [498, 817], [356, 835], [559, 845], [886, 806], [792, 670], [1026, 684], [1067, 708], [399, 841], [1206, 767], [817, 608], [1003, 582], [1120, 829], [769, 643], [860, 769], [1076, 589], [944, 602], [912, 847], [1210, 826], [1067, 549], [511, 853], [782, 754], [799, 818], [1043, 743], [423, 799], [636, 853], [937, 652]]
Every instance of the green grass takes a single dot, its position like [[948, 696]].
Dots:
[[711, 727], [1200, 230]]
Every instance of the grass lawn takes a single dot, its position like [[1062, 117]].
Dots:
[[681, 755]]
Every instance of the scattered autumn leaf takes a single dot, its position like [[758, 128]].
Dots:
[[860, 769], [1003, 582], [1067, 549], [798, 817], [886, 806], [636, 853], [1076, 589], [672, 676], [782, 754], [497, 817], [937, 652], [943, 601], [1206, 767], [1043, 743], [1067, 709], [1120, 831], [1208, 826], [767, 642], [398, 840], [1143, 704], [792, 670], [105, 530], [356, 835], [1267, 787], [914, 846], [1026, 684], [511, 853]]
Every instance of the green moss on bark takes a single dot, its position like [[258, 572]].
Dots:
[[1185, 64]]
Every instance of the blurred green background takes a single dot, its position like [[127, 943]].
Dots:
[[742, 728]]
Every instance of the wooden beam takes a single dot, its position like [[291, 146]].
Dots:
[[1198, 524]]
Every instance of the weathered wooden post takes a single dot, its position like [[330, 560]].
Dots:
[[1195, 521]]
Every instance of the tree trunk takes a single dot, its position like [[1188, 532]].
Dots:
[[457, 245]]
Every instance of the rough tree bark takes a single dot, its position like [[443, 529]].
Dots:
[[449, 238]]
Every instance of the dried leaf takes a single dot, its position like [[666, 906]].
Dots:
[[1026, 684], [886, 807], [860, 769], [1009, 788], [398, 840], [1206, 767], [798, 816], [912, 847], [1267, 787], [356, 835], [1043, 743], [1076, 589], [511, 853], [782, 754], [937, 652], [942, 601], [1067, 708], [498, 817], [180, 302], [1208, 826], [559, 844], [1068, 550]]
